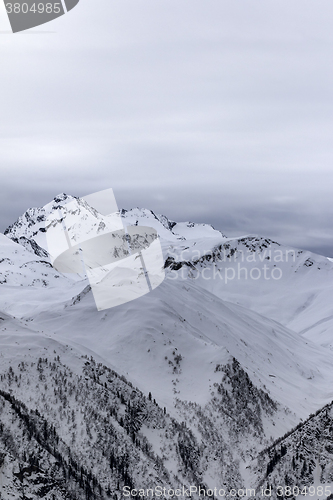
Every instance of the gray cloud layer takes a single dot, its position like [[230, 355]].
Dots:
[[213, 111]]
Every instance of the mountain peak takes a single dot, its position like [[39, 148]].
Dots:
[[63, 197], [29, 229]]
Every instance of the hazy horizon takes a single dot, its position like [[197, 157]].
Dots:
[[211, 111]]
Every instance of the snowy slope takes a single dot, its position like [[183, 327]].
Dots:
[[291, 286], [232, 360], [58, 406], [145, 338], [295, 286], [195, 310], [20, 267]]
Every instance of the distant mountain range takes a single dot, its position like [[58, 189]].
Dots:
[[201, 382]]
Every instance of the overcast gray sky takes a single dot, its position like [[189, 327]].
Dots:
[[205, 110]]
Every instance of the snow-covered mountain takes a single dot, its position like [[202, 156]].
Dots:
[[189, 382]]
